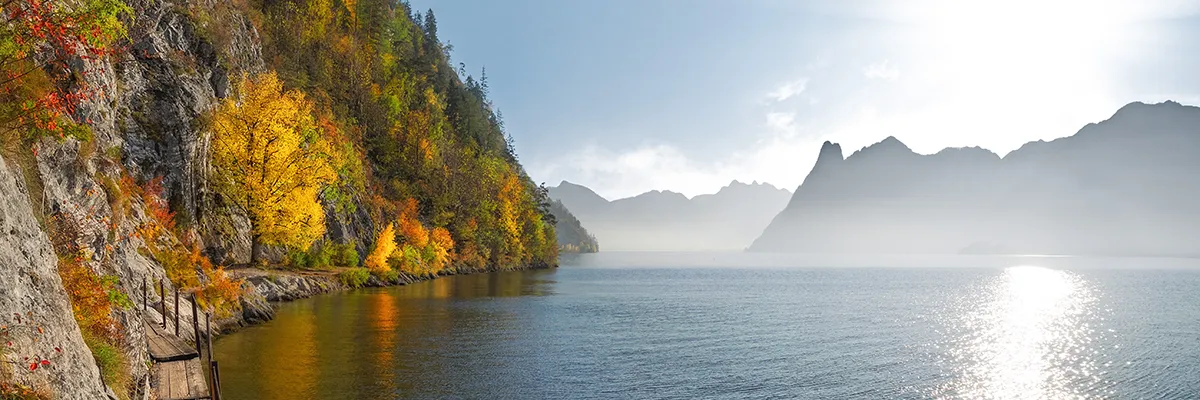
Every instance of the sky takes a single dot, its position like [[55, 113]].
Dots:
[[627, 96]]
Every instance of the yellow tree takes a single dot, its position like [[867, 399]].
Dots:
[[385, 245], [271, 163]]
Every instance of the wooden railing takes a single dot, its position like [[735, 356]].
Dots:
[[214, 375]]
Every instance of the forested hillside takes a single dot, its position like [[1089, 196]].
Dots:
[[572, 236], [437, 158]]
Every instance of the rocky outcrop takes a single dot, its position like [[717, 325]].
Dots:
[[288, 287], [34, 307]]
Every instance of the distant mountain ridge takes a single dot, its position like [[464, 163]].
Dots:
[[571, 235], [662, 220], [1124, 186]]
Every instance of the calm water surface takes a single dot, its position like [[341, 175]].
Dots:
[[735, 326]]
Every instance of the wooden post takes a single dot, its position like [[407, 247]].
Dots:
[[195, 324], [216, 373], [214, 387], [162, 295], [145, 298], [208, 326], [177, 311]]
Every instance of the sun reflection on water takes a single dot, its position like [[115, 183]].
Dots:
[[1028, 337]]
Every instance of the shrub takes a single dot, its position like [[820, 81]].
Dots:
[[297, 259], [93, 297], [409, 260], [320, 256], [354, 277], [345, 255]]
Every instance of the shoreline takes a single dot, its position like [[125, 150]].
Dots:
[[263, 289]]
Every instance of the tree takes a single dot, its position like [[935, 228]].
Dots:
[[385, 245], [38, 38], [270, 163], [431, 26]]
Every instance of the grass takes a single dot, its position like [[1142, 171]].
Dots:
[[19, 152], [389, 276], [114, 365]]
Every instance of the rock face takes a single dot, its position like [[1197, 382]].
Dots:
[[667, 221], [145, 127], [1124, 186], [34, 306]]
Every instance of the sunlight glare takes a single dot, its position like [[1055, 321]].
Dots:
[[1030, 341]]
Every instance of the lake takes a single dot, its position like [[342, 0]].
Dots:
[[742, 326]]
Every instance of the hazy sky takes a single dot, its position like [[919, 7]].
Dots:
[[626, 96]]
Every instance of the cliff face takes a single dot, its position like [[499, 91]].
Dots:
[[146, 126], [34, 308], [1123, 186]]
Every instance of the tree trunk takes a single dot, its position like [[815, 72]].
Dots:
[[255, 250]]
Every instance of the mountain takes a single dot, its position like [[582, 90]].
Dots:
[[668, 221], [578, 197], [571, 235], [1124, 186]]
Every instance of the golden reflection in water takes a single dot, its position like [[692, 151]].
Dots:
[[1029, 339], [383, 323], [298, 345]]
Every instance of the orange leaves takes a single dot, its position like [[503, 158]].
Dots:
[[441, 238], [153, 194], [385, 244], [219, 293], [90, 297], [426, 148], [440, 247], [410, 227]]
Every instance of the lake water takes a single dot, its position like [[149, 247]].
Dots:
[[743, 326]]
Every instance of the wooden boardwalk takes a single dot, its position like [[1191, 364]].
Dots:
[[179, 380], [179, 372], [167, 347]]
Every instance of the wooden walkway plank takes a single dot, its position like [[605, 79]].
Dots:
[[195, 377], [180, 380], [167, 347], [177, 386]]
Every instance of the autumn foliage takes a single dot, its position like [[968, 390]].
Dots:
[[271, 162], [185, 265], [412, 231], [439, 167], [38, 38], [385, 245], [93, 297]]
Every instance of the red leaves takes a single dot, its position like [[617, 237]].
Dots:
[[55, 34], [34, 366]]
